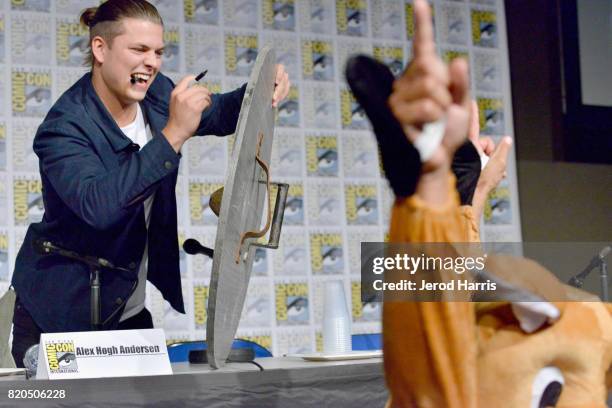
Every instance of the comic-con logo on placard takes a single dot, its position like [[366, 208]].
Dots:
[[201, 11], [278, 14], [352, 114], [361, 204], [326, 253], [352, 17], [288, 114], [61, 357], [71, 43], [27, 201], [30, 92], [291, 303], [484, 28], [322, 155], [317, 60], [31, 5], [491, 112]]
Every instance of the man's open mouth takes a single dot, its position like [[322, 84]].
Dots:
[[140, 78]]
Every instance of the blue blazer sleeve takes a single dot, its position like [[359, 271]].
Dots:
[[221, 117], [76, 171]]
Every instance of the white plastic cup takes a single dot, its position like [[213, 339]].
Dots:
[[336, 320]]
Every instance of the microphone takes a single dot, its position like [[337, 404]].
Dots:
[[193, 247], [578, 280], [47, 247]]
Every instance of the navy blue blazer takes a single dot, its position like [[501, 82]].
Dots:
[[95, 181]]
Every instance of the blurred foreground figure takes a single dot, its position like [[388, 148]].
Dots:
[[467, 354]]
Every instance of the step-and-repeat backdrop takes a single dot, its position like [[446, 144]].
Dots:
[[322, 144]]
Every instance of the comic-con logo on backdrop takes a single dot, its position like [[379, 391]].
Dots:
[[320, 106], [207, 156], [498, 210], [386, 19], [390, 55], [361, 202], [291, 258], [288, 113], [491, 111], [171, 58], [30, 91], [487, 71], [324, 202], [61, 357], [317, 16], [368, 311], [2, 145], [24, 158], [294, 206], [359, 155], [296, 341], [326, 253], [200, 302], [287, 153], [203, 48], [352, 17], [27, 200], [291, 303], [71, 42], [199, 196], [31, 5], [30, 39], [4, 256], [2, 51], [322, 155], [240, 53], [484, 28], [352, 114], [201, 11], [278, 14], [317, 60], [454, 24], [240, 13], [257, 306]]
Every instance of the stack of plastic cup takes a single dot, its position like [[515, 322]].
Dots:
[[336, 320]]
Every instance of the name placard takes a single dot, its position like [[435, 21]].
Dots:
[[96, 354]]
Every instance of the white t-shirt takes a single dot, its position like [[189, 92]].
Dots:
[[140, 133]]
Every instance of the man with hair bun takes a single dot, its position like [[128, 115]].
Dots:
[[109, 152]]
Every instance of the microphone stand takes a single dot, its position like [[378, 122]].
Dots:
[[599, 260], [95, 264], [603, 279]]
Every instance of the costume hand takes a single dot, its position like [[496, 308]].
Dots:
[[484, 145], [281, 85], [430, 90], [186, 107], [491, 175], [495, 170]]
